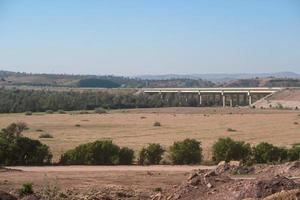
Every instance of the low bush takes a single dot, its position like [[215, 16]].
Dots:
[[28, 113], [294, 153], [46, 135], [49, 111], [61, 112], [268, 153], [188, 151], [101, 152], [226, 149], [100, 111], [26, 189], [84, 112], [126, 156], [231, 130], [18, 150], [77, 125], [157, 124], [152, 154]]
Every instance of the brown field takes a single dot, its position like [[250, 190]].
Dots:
[[134, 128]]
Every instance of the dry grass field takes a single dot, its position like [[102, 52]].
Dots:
[[134, 128]]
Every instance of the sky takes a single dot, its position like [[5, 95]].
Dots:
[[136, 37]]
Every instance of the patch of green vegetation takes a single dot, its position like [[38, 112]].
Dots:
[[101, 152], [188, 151], [46, 135], [26, 189], [157, 124], [157, 189], [152, 154], [231, 130], [28, 113]]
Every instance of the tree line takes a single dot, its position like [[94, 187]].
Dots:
[[17, 100]]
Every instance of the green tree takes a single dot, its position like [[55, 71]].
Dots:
[[188, 151], [268, 153], [226, 149], [152, 154]]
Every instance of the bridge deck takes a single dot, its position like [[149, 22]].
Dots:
[[213, 90]]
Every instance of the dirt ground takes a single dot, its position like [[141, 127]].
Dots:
[[145, 180], [272, 182], [134, 128]]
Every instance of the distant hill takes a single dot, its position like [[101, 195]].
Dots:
[[67, 80], [263, 82], [220, 77]]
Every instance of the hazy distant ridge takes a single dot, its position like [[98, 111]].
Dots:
[[218, 77]]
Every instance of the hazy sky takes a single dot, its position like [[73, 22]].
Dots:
[[130, 37]]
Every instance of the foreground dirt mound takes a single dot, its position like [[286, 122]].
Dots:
[[285, 195], [6, 196], [110, 193], [217, 184]]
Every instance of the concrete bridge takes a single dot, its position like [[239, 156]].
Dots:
[[224, 95]]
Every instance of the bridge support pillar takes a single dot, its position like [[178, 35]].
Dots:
[[223, 100], [230, 100], [249, 98], [200, 98]]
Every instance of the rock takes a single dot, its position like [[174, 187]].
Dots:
[[222, 163], [6, 196], [193, 175], [195, 181], [209, 185], [222, 167], [292, 166], [158, 196], [234, 163], [210, 173]]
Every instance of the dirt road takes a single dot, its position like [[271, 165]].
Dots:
[[81, 168]]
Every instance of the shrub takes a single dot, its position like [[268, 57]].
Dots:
[[294, 153], [157, 189], [18, 150], [152, 154], [26, 189], [268, 153], [46, 135], [39, 130], [100, 111], [77, 125], [126, 156], [61, 112], [31, 152], [231, 130], [28, 113], [156, 124], [49, 111], [101, 152], [188, 151], [226, 149]]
